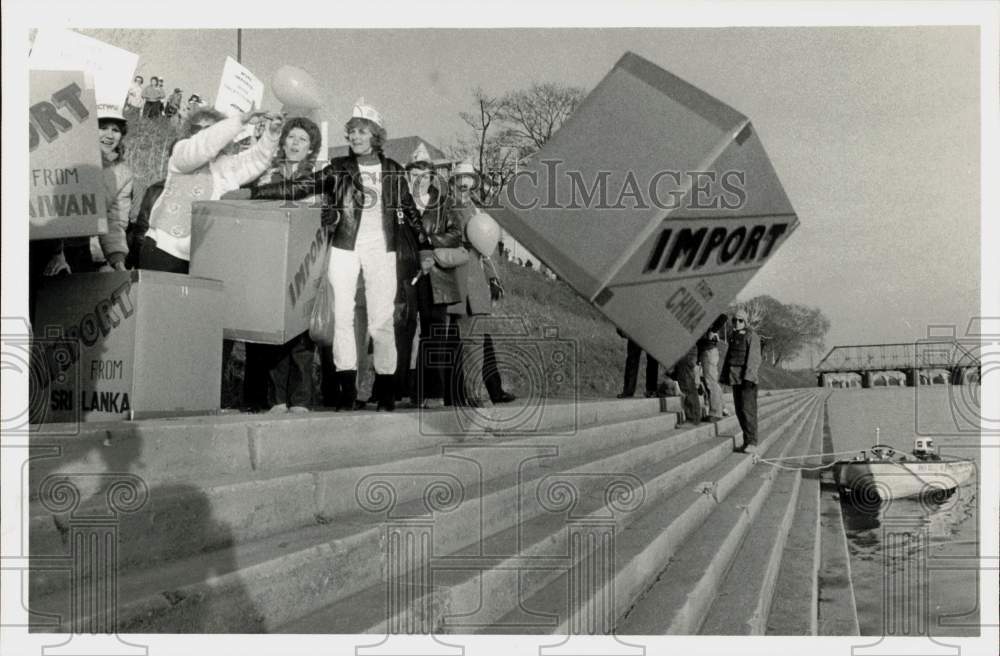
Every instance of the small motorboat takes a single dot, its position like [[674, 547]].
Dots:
[[884, 472]]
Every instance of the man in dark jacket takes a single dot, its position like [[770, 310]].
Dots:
[[436, 285], [743, 359]]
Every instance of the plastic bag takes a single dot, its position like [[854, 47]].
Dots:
[[321, 317]]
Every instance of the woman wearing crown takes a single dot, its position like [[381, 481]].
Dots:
[[366, 202]]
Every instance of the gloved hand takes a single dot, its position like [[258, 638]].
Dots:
[[496, 289], [116, 261], [426, 262], [57, 265]]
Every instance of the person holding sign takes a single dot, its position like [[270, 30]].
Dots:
[[202, 166], [89, 254], [367, 200]]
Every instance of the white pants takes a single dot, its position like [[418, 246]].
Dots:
[[379, 268]]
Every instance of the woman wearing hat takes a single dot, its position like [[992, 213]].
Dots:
[[85, 254], [475, 293], [367, 202]]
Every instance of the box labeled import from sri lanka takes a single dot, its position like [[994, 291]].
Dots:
[[141, 344], [268, 255]]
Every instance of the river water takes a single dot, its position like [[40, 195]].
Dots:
[[913, 562]]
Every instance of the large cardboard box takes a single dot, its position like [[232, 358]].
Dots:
[[129, 345], [655, 201], [268, 255], [67, 197]]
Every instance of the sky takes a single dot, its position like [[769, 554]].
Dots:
[[874, 132]]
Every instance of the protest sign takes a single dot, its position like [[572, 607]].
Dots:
[[655, 201], [66, 196], [127, 338], [239, 90], [108, 69]]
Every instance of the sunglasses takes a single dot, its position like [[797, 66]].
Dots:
[[735, 320]]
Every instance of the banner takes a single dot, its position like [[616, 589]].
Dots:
[[67, 197], [109, 69], [239, 90], [655, 201]]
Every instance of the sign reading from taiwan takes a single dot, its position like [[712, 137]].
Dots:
[[239, 90], [66, 185]]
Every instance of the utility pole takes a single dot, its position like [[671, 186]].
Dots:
[[239, 45]]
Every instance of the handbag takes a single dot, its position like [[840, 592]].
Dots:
[[321, 316], [449, 258]]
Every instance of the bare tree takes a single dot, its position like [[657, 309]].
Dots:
[[488, 146], [504, 130], [534, 114]]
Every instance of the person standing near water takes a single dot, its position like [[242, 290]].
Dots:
[[743, 359]]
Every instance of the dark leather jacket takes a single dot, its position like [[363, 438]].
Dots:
[[340, 178], [442, 231]]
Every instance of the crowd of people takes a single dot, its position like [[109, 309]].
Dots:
[[151, 101], [696, 376], [399, 254], [400, 258]]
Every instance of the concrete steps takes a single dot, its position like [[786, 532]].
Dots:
[[681, 596], [542, 541], [275, 538], [643, 544], [236, 509], [795, 606], [743, 601]]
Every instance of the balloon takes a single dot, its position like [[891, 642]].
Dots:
[[484, 232], [295, 88], [290, 111]]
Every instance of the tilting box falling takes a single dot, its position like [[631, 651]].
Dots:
[[655, 201]]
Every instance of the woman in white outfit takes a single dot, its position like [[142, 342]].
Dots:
[[366, 200]]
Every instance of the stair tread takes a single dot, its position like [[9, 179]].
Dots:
[[536, 535], [654, 612], [793, 609], [738, 595], [631, 543]]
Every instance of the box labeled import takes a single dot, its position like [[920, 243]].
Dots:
[[268, 255], [655, 201], [143, 344]]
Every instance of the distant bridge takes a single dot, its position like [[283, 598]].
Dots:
[[924, 362]]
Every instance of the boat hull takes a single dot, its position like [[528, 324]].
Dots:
[[898, 479]]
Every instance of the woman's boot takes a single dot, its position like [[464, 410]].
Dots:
[[385, 386], [348, 391]]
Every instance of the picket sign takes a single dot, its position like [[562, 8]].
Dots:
[[66, 197]]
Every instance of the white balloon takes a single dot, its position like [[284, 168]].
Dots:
[[296, 88]]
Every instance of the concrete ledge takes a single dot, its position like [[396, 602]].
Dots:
[[838, 615]]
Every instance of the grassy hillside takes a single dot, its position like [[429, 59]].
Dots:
[[600, 351], [146, 151]]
